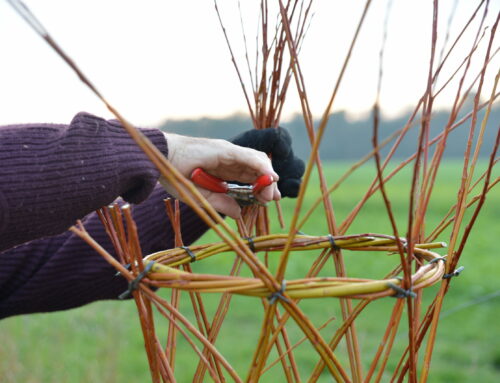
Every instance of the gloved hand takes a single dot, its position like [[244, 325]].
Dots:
[[278, 143]]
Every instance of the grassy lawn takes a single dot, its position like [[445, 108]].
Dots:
[[102, 342]]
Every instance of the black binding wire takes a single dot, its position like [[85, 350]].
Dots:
[[132, 285], [127, 266], [251, 244], [190, 253], [400, 292], [456, 273], [272, 298], [333, 245], [436, 260]]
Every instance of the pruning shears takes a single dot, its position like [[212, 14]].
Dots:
[[243, 194]]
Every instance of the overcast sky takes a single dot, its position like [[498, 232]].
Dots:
[[158, 60]]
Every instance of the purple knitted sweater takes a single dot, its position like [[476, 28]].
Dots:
[[52, 175]]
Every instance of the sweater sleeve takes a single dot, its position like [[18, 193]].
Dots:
[[51, 175], [62, 272]]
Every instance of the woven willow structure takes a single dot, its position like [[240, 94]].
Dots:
[[417, 264]]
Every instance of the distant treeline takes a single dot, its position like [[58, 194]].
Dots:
[[345, 139]]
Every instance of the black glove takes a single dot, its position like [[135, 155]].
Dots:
[[278, 143]]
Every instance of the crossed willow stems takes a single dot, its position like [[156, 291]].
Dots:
[[269, 92]]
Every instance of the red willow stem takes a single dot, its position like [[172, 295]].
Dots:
[[114, 225], [264, 22], [250, 110], [280, 94], [82, 233], [374, 187], [314, 157], [445, 223], [247, 59], [414, 214], [447, 34], [405, 267], [165, 370], [482, 199], [172, 319], [195, 297], [170, 348], [356, 311], [315, 269], [146, 311], [465, 177], [429, 179], [431, 311], [106, 221], [454, 256], [217, 322], [262, 89], [244, 230], [294, 346], [260, 356], [376, 119], [350, 218], [226, 297], [389, 346], [389, 334], [442, 60], [424, 325], [283, 354]]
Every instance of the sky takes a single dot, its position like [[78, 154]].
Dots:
[[158, 60]]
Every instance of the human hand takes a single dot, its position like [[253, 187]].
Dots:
[[223, 160], [278, 143]]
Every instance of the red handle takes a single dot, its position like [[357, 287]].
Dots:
[[262, 182], [208, 181], [212, 183]]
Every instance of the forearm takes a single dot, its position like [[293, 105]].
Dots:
[[63, 271], [52, 175]]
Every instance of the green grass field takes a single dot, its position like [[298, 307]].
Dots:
[[102, 342]]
